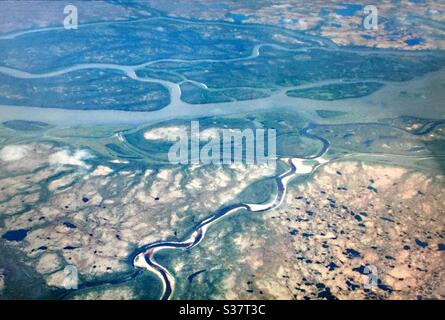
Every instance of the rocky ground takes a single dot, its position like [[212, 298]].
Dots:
[[354, 231], [70, 211]]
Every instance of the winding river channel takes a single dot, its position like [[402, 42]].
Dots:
[[145, 255], [144, 258], [177, 107]]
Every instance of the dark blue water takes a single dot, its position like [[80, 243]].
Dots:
[[70, 225], [15, 235], [421, 243], [368, 37], [361, 269], [368, 142], [193, 275], [351, 253], [414, 41], [325, 293], [349, 10], [331, 266]]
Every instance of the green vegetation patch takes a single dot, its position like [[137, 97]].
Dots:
[[337, 91], [84, 90], [329, 114], [23, 125], [288, 125], [191, 93]]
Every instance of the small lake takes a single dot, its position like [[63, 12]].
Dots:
[[15, 235]]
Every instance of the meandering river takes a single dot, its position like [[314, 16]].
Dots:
[[144, 258]]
